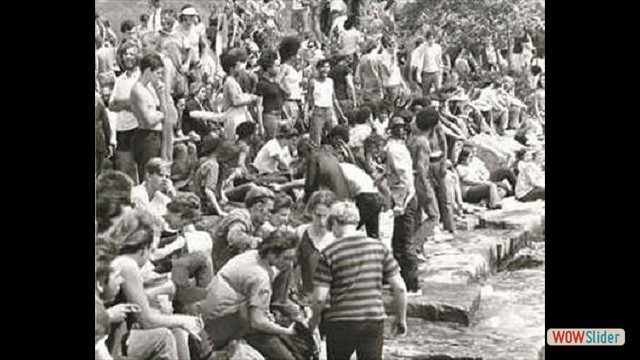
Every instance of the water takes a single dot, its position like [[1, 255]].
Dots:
[[508, 325]]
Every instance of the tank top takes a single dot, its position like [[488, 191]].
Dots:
[[323, 93], [291, 81]]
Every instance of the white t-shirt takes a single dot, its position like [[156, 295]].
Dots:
[[350, 41], [338, 5], [122, 91], [358, 180], [265, 160], [156, 206], [432, 57]]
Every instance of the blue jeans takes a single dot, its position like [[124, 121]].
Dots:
[[321, 120]]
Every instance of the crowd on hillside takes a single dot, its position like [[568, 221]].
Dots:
[[265, 172]]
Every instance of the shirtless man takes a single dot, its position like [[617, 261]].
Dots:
[[428, 124], [146, 106]]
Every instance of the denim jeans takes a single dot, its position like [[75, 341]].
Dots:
[[321, 120], [443, 195], [404, 250], [156, 344], [369, 206], [476, 193], [429, 79], [363, 337]]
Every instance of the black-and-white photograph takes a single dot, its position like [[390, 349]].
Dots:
[[319, 179]]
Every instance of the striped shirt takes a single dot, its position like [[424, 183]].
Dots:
[[353, 268]]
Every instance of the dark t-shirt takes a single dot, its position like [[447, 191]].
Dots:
[[324, 172], [339, 75], [272, 93], [247, 81]]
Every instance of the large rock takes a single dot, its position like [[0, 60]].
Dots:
[[516, 215], [496, 151], [455, 303]]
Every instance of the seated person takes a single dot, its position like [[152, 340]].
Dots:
[[135, 245], [113, 198], [531, 181], [155, 192], [239, 300], [530, 132], [280, 214], [111, 326], [275, 156], [183, 166], [190, 252], [475, 183], [236, 232], [211, 177]]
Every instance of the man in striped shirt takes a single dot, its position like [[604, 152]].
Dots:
[[352, 270]]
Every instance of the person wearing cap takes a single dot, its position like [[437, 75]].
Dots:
[[354, 320], [235, 99], [275, 155], [156, 191], [369, 73], [400, 179], [236, 232], [192, 39], [272, 94], [134, 236]]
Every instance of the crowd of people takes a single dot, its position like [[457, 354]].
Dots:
[[260, 183]]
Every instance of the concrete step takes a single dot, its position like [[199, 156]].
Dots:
[[515, 215]]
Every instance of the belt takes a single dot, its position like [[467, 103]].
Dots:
[[294, 100], [273, 112]]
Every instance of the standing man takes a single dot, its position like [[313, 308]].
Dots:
[[120, 104], [155, 17], [430, 66], [355, 319], [146, 105], [405, 203]]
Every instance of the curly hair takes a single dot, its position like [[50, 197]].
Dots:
[[134, 231], [122, 49], [289, 47]]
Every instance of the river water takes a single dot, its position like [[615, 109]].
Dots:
[[510, 323]]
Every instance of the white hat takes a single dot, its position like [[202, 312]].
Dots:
[[189, 11]]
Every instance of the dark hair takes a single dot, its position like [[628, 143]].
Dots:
[[322, 62], [144, 18], [288, 48], [127, 25], [276, 243], [134, 231], [281, 201], [246, 129], [427, 119], [340, 132], [113, 190], [521, 153], [304, 147], [429, 35], [386, 40], [186, 204], [136, 241], [151, 61], [350, 23], [363, 115], [228, 61], [155, 166], [267, 59], [465, 153], [320, 197]]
